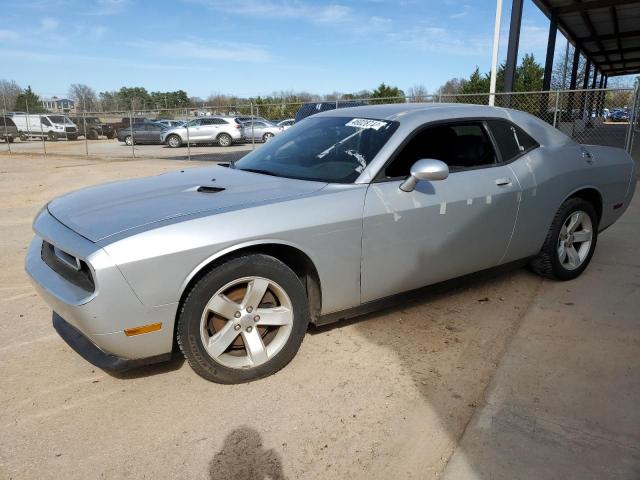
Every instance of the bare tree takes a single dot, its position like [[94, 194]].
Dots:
[[9, 90], [451, 86], [418, 93], [84, 96]]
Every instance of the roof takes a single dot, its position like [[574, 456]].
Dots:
[[607, 32]]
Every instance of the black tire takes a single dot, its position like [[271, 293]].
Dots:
[[93, 135], [224, 140], [111, 136], [174, 141], [10, 139], [547, 262], [188, 328], [23, 137], [266, 137], [128, 140], [52, 137]]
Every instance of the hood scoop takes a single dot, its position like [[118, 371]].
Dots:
[[209, 189]]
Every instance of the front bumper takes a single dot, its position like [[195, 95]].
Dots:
[[91, 353], [102, 315]]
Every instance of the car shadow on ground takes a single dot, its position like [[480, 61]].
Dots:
[[176, 362], [442, 344], [242, 457]]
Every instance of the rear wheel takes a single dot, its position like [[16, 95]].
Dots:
[[23, 137], [128, 140], [93, 135], [243, 320], [225, 140], [52, 136], [570, 242], [267, 136], [174, 141]]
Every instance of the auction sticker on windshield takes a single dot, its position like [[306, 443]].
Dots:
[[366, 123]]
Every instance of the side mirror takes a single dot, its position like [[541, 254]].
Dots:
[[427, 169]]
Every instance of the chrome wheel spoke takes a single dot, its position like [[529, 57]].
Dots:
[[219, 342], [582, 236], [573, 257], [222, 306], [562, 253], [256, 350], [256, 289], [574, 221], [277, 316]]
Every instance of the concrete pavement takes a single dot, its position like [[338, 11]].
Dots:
[[563, 403]]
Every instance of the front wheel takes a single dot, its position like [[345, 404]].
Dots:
[[174, 141], [128, 140], [23, 137], [267, 136], [225, 140], [570, 243], [52, 136], [243, 320]]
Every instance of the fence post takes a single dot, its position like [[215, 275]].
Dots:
[[44, 146], [632, 118], [133, 141], [26, 104], [4, 119], [253, 138], [555, 110], [84, 121], [188, 140]]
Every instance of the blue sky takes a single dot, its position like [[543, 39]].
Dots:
[[252, 47]]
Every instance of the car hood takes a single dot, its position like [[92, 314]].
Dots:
[[109, 209]]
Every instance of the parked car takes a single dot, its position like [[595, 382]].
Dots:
[[285, 124], [142, 133], [171, 123], [619, 116], [125, 121], [260, 130], [248, 118], [51, 127], [94, 128], [221, 130], [326, 221], [8, 129]]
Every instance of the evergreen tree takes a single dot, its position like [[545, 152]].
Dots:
[[27, 100]]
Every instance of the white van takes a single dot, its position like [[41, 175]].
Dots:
[[49, 126]]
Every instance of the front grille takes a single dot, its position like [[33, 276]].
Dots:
[[70, 268], [71, 129]]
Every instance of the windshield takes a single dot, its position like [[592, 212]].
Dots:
[[327, 149], [60, 119]]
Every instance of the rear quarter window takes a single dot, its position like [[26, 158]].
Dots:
[[512, 140]]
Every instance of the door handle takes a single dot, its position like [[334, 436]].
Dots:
[[503, 182], [587, 156]]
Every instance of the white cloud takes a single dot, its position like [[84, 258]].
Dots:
[[219, 50], [48, 24], [9, 35], [466, 9], [440, 40]]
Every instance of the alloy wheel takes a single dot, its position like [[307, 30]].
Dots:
[[574, 242], [246, 322]]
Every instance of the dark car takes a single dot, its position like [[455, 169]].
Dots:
[[619, 116], [92, 127], [8, 129], [309, 109], [143, 132]]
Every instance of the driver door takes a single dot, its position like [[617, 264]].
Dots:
[[442, 229]]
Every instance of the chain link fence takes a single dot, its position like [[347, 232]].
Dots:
[[594, 116]]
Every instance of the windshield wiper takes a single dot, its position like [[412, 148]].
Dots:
[[258, 170]]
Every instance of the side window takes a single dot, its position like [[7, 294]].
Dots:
[[219, 121], [511, 140], [459, 145], [45, 121]]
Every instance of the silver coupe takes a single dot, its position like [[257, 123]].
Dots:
[[344, 210]]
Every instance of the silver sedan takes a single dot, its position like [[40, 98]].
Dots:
[[260, 130], [328, 220]]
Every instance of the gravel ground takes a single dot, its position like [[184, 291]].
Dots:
[[388, 394]]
